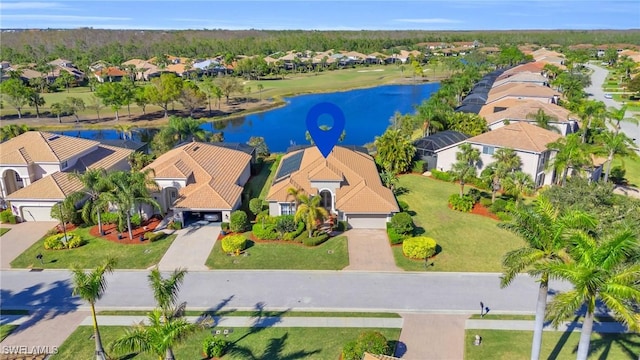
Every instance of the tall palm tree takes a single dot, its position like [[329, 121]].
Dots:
[[90, 287], [95, 184], [506, 162], [295, 193], [310, 211], [394, 151], [518, 184], [571, 153], [600, 269], [129, 189], [616, 117], [545, 230], [612, 144], [185, 129], [10, 131], [126, 130], [587, 111], [465, 167], [165, 290]]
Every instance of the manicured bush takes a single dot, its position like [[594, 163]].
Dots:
[[486, 202], [476, 194], [224, 226], [264, 217], [7, 217], [285, 224], [294, 234], [54, 242], [175, 225], [234, 243], [394, 237], [154, 236], [404, 207], [503, 216], [109, 218], [418, 166], [136, 220], [341, 226], [368, 341], [464, 203], [255, 206], [214, 347], [420, 247], [402, 223], [500, 205], [238, 221], [315, 240], [617, 175], [267, 232], [441, 175]]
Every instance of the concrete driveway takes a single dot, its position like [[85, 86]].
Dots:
[[191, 248], [20, 238], [369, 250]]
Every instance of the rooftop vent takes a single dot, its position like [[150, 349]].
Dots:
[[54, 137]]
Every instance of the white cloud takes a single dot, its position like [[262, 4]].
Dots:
[[30, 5], [429, 21], [70, 18]]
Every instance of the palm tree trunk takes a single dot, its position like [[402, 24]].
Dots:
[[585, 337], [609, 161], [100, 355], [169, 355], [584, 134], [541, 307], [129, 225], [461, 188], [565, 172], [99, 222]]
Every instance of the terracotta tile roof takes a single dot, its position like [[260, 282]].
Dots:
[[518, 136], [104, 157], [521, 77], [361, 190], [212, 173], [522, 108], [535, 66], [111, 71], [56, 186], [517, 90], [36, 146]]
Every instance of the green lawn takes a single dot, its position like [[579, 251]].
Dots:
[[510, 345], [332, 255], [632, 166], [272, 173], [95, 250], [248, 343], [232, 312], [4, 231], [5, 330], [469, 242]]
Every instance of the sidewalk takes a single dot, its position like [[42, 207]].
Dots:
[[527, 325]]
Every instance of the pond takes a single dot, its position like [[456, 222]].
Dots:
[[367, 113]]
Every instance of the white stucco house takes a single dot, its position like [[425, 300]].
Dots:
[[35, 169], [347, 180], [510, 110], [529, 142], [201, 181]]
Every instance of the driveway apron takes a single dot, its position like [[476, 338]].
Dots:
[[20, 238], [369, 250], [191, 247]]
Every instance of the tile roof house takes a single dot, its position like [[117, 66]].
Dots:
[[524, 77], [144, 69], [529, 142], [347, 180], [512, 110], [110, 74], [523, 91], [201, 178], [34, 169]]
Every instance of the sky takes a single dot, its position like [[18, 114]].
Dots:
[[323, 15]]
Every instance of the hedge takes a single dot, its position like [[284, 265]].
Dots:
[[7, 217], [234, 243], [54, 242], [153, 236], [420, 247], [316, 240], [404, 207], [369, 341], [292, 235], [394, 237], [441, 175], [461, 203], [268, 232], [239, 221], [402, 223]]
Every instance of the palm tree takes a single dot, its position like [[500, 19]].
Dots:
[[310, 211], [394, 151], [600, 269], [614, 143], [571, 153], [506, 162], [130, 189], [185, 129], [543, 120], [464, 169], [95, 185], [589, 110], [158, 337], [125, 130], [138, 160], [295, 193], [165, 291], [519, 183], [10, 131], [616, 116], [545, 230], [90, 287]]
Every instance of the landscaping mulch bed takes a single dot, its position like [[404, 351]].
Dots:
[[111, 233], [482, 210]]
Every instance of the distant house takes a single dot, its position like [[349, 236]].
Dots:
[[201, 180], [524, 77], [427, 147], [144, 70], [110, 74], [523, 91], [529, 141], [35, 169], [507, 111], [347, 181]]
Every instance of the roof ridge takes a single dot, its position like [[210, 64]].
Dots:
[[55, 180], [47, 143], [526, 132]]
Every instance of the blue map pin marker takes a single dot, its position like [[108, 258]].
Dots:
[[325, 140]]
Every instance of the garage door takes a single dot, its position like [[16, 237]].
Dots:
[[367, 221], [36, 213]]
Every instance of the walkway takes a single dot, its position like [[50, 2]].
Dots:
[[432, 336], [369, 250], [191, 248], [20, 238]]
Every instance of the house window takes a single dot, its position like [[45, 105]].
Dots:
[[287, 209], [488, 150], [18, 178]]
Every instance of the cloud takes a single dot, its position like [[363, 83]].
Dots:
[[70, 18], [30, 5], [429, 21]]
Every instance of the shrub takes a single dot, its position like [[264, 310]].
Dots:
[[418, 166], [503, 216], [500, 205], [153, 236], [486, 202], [617, 175], [464, 203], [7, 217], [109, 218], [234, 243], [255, 206], [394, 237], [441, 175], [294, 234], [368, 341], [224, 226], [341, 226], [420, 247], [214, 347], [136, 220], [175, 225], [316, 240], [264, 217], [238, 221], [285, 224], [404, 207], [476, 194], [54, 242], [267, 232], [402, 223]]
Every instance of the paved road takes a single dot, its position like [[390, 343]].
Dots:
[[598, 77], [322, 290]]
